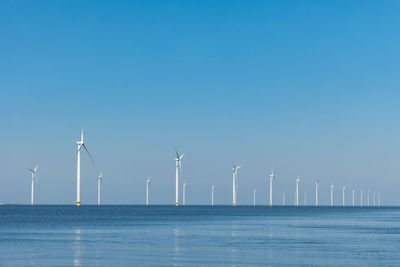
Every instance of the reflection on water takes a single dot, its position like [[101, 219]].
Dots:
[[198, 236], [77, 248]]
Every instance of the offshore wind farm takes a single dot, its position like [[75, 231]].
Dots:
[[213, 133]]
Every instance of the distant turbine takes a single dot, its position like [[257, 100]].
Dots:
[[373, 199], [212, 195], [33, 178], [368, 198], [297, 190], [353, 191], [271, 177], [234, 192], [305, 198], [379, 199], [283, 198], [147, 191], [343, 201], [178, 166], [254, 197], [316, 192], [99, 179], [184, 194], [332, 194], [361, 198], [78, 169]]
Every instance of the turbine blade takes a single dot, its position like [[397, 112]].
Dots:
[[82, 133], [37, 166], [31, 170], [177, 155], [88, 153], [181, 156]]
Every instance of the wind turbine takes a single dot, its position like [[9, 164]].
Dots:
[[254, 197], [332, 194], [297, 190], [343, 201], [235, 169], [283, 198], [78, 169], [212, 195], [99, 179], [178, 165], [33, 178], [271, 177], [368, 198], [184, 194], [147, 191], [316, 192], [305, 198], [361, 198], [353, 192]]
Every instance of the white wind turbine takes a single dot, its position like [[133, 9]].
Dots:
[[178, 166], [184, 194], [212, 195], [283, 198], [353, 192], [332, 194], [78, 169], [271, 178], [254, 197], [368, 198], [147, 191], [297, 190], [343, 200], [99, 179], [361, 197], [234, 191], [316, 192], [33, 178]]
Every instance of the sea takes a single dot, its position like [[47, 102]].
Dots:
[[136, 235]]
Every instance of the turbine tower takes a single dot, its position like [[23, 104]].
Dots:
[[178, 166], [343, 201], [361, 198], [297, 190], [332, 195], [305, 198], [254, 197], [212, 195], [368, 198], [353, 192], [147, 191], [316, 192], [99, 179], [184, 194], [283, 198], [235, 169], [78, 169], [271, 177], [33, 178]]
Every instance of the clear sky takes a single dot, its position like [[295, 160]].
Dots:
[[307, 88]]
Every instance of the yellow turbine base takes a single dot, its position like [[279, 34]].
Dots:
[[78, 203], [234, 204], [32, 204], [176, 204], [270, 205]]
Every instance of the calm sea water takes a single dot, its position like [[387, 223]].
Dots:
[[198, 235]]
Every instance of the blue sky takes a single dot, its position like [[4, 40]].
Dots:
[[307, 88]]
